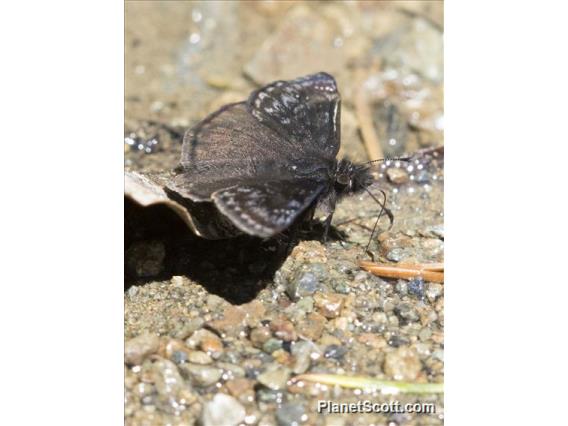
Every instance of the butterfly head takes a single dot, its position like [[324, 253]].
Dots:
[[351, 177]]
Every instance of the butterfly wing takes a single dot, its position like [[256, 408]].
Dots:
[[305, 111], [278, 128], [267, 208], [228, 147]]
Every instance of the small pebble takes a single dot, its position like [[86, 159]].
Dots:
[[396, 254], [269, 396], [147, 393], [174, 394], [393, 321], [283, 330], [434, 291], [388, 304], [303, 286], [259, 336], [189, 328], [138, 348], [275, 377], [305, 352], [201, 375], [402, 364], [335, 352], [379, 318], [179, 357], [307, 280], [177, 281], [438, 337], [252, 373], [213, 302], [395, 341], [328, 339], [312, 326], [255, 312], [422, 349], [232, 322], [341, 287], [281, 356], [212, 346], [291, 414], [132, 291], [175, 348], [272, 345], [372, 340], [238, 386], [198, 357], [312, 253], [222, 410], [416, 287], [406, 312], [398, 176], [438, 354], [402, 287], [207, 341], [422, 177], [360, 276], [329, 304], [305, 304], [425, 334], [232, 370]]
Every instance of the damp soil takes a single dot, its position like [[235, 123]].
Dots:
[[223, 326]]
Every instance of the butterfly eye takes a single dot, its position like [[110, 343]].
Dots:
[[342, 179]]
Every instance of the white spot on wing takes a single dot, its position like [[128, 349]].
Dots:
[[335, 110]]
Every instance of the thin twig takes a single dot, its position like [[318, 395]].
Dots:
[[364, 115]]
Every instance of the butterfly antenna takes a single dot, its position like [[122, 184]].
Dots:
[[384, 209], [388, 159]]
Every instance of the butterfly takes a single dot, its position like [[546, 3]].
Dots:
[[266, 162]]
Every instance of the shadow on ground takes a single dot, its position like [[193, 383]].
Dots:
[[235, 269]]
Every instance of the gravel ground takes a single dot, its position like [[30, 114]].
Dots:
[[216, 330]]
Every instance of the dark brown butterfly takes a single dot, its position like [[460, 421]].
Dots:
[[257, 166]]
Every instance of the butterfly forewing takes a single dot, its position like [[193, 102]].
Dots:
[[230, 146], [228, 135], [305, 111]]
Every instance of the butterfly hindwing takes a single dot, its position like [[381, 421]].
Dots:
[[267, 208]]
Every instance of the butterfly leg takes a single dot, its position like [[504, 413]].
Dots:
[[327, 204], [327, 225]]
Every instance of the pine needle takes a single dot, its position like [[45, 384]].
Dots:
[[429, 272], [371, 384]]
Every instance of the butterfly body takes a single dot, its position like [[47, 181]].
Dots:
[[269, 161]]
